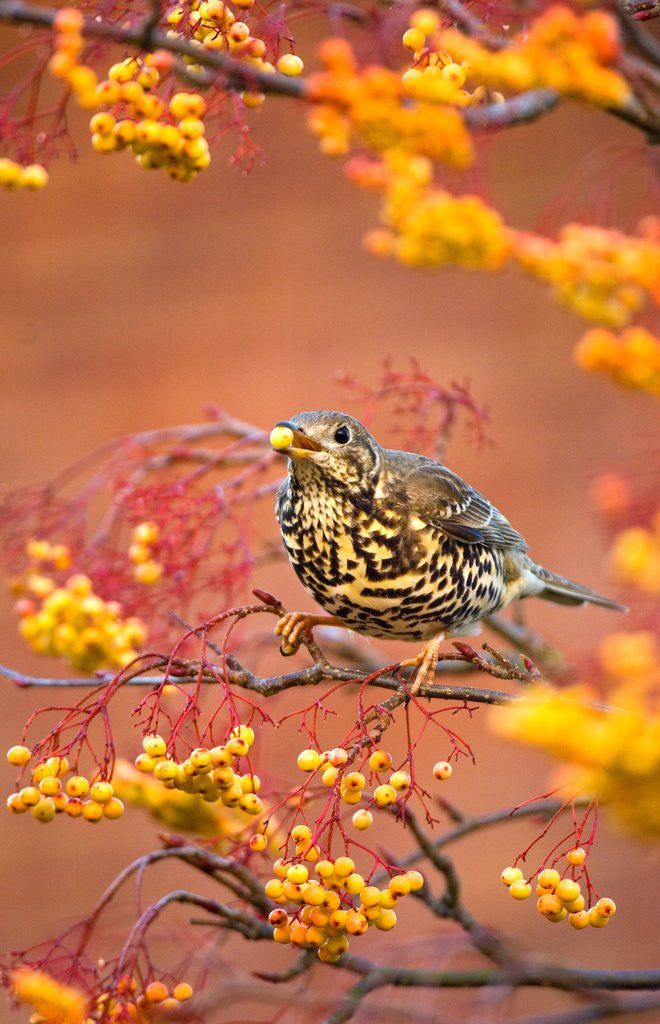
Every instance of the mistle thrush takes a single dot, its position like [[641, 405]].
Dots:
[[394, 544]]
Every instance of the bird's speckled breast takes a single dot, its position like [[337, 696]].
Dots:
[[382, 571]]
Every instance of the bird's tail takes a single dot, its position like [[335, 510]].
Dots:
[[558, 588]]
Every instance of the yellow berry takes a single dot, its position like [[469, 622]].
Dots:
[[567, 890], [370, 896], [426, 20], [511, 875], [182, 991], [389, 899], [44, 810], [297, 874], [597, 920], [362, 819], [77, 786], [385, 795], [454, 74], [221, 757], [290, 64], [15, 804], [548, 878], [92, 811], [150, 571], [30, 796], [386, 920], [413, 39], [380, 761], [351, 796], [238, 746], [549, 904], [354, 781], [166, 771], [329, 776], [101, 792], [274, 888], [250, 803], [576, 905], [325, 868], [400, 885], [154, 745], [520, 889], [576, 856], [579, 920], [400, 781], [354, 884], [301, 833], [337, 757], [416, 880], [201, 760], [308, 760], [34, 176], [50, 786], [187, 104], [344, 866], [18, 755], [113, 808], [282, 934], [442, 770], [605, 907], [10, 173]]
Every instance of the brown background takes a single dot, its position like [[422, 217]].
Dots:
[[129, 302]]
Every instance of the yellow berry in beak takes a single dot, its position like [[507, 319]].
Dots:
[[281, 438]]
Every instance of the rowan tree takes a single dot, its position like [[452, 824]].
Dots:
[[109, 565]]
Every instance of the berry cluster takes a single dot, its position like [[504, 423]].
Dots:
[[68, 619], [601, 274], [49, 794], [331, 764], [372, 106], [141, 552], [559, 49], [612, 754], [156, 1002], [561, 898], [330, 908], [50, 999], [14, 176], [636, 556], [427, 226], [632, 359], [206, 773]]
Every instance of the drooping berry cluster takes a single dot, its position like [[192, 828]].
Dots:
[[141, 552], [331, 764], [207, 772], [157, 1001], [632, 358], [328, 910], [49, 794], [68, 619], [561, 898]]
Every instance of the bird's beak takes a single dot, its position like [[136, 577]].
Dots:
[[286, 438]]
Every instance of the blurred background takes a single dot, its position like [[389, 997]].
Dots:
[[129, 302]]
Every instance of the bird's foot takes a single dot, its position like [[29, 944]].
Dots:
[[293, 626], [426, 663]]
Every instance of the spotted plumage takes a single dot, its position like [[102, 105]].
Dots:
[[394, 544]]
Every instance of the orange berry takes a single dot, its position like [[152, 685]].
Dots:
[[77, 786], [605, 907], [156, 991], [182, 991], [380, 761], [113, 808], [30, 796], [579, 920], [92, 811], [258, 843], [576, 856]]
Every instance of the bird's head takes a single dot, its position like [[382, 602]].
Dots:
[[330, 443]]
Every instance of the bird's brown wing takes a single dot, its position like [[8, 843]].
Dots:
[[439, 497]]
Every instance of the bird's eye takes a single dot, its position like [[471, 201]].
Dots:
[[342, 434]]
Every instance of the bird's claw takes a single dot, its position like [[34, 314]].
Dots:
[[291, 628], [426, 663]]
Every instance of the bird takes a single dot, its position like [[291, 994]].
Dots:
[[393, 544]]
